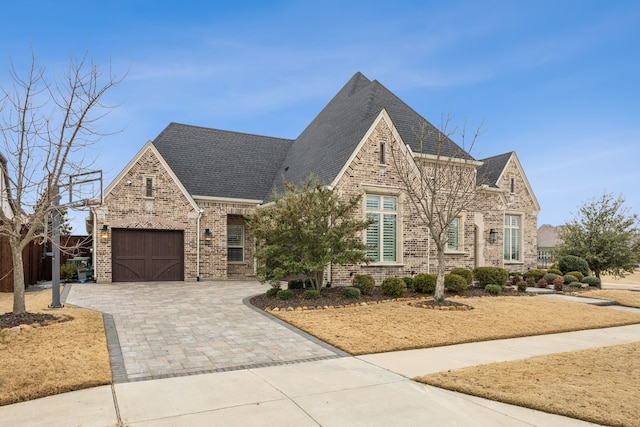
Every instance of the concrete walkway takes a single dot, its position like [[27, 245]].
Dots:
[[330, 391]]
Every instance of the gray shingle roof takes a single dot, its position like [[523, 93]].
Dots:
[[492, 168], [216, 163]]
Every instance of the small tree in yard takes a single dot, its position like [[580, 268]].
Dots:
[[304, 230], [45, 123], [440, 180], [605, 234]]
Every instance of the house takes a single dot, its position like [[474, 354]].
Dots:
[[547, 241], [177, 210]]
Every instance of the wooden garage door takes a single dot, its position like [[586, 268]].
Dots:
[[147, 255]]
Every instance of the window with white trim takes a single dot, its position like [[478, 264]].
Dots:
[[511, 238], [453, 235], [235, 243], [382, 233]]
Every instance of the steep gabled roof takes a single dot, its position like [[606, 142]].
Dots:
[[491, 169], [217, 163], [325, 145]]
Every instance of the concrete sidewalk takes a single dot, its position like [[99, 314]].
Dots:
[[370, 390]]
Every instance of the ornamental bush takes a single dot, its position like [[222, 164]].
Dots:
[[555, 271], [364, 282], [467, 274], [573, 263], [557, 283], [493, 289], [542, 283], [569, 279], [393, 287], [350, 292], [273, 291], [519, 282], [409, 282], [550, 277], [424, 282], [490, 276], [592, 281], [577, 275], [536, 274], [285, 294], [295, 284], [311, 294], [455, 283]]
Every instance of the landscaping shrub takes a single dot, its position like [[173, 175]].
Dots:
[[569, 279], [537, 274], [467, 274], [295, 284], [364, 282], [577, 275], [519, 282], [455, 283], [555, 271], [284, 294], [592, 281], [393, 287], [493, 289], [490, 276], [542, 283], [424, 283], [350, 292], [409, 282], [575, 284], [68, 272], [311, 294], [573, 263], [550, 277], [273, 292], [557, 283]]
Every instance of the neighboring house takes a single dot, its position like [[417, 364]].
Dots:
[[177, 210], [547, 241]]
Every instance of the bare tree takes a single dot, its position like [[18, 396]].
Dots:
[[46, 125], [440, 180]]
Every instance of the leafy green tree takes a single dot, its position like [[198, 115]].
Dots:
[[304, 230], [605, 234]]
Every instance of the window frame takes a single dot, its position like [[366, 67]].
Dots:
[[148, 185], [236, 246], [380, 214], [458, 221], [508, 247]]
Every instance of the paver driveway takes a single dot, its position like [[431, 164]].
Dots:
[[179, 328]]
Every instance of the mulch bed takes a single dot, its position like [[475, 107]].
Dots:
[[9, 320], [331, 297]]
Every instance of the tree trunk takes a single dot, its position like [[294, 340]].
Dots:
[[18, 277], [439, 293], [317, 280]]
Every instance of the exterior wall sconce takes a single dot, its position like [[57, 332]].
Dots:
[[104, 233], [207, 235], [493, 236]]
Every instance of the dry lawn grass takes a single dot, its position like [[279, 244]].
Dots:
[[628, 279], [398, 326], [626, 298], [599, 385], [54, 359]]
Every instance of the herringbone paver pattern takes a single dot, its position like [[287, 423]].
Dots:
[[182, 328]]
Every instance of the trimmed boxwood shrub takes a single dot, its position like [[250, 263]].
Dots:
[[424, 282], [569, 279], [550, 277], [490, 276], [467, 274], [273, 291], [284, 294], [577, 275], [409, 282], [311, 294], [573, 263], [393, 287], [493, 289], [554, 271], [455, 283], [536, 274], [350, 292], [575, 285], [295, 284], [592, 281], [364, 282]]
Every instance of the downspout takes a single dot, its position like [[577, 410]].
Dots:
[[198, 244]]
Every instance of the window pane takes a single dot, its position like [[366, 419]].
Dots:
[[373, 238], [389, 239], [234, 254], [389, 204], [373, 203], [452, 244], [234, 236]]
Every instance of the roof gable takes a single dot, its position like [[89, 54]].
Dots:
[[492, 167]]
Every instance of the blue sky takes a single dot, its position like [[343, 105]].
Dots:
[[556, 81]]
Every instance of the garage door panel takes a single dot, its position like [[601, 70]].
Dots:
[[147, 255]]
